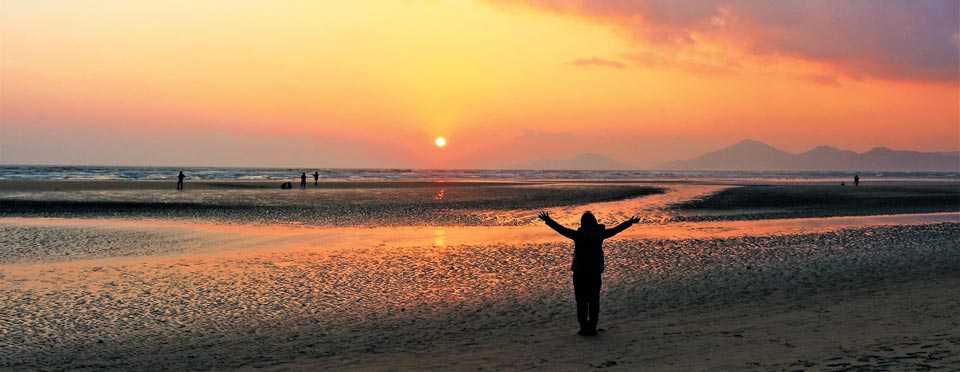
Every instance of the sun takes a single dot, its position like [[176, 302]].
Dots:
[[440, 141]]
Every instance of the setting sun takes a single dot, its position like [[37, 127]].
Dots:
[[440, 141]]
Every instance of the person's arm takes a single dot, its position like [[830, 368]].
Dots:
[[569, 233], [623, 226]]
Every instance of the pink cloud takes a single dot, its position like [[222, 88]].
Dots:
[[912, 40]]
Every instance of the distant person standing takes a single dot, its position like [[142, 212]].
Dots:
[[303, 180], [316, 178], [856, 180], [180, 178]]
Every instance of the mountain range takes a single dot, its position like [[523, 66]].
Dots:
[[750, 155]]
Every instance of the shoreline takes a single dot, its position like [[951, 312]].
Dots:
[[230, 184]]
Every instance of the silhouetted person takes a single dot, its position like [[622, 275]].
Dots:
[[856, 180], [180, 178], [316, 178], [587, 264], [303, 180]]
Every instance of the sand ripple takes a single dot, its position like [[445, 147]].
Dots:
[[253, 309]]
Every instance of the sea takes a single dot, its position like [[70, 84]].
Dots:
[[39, 173]]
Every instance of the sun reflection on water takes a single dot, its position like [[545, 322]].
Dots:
[[440, 237]]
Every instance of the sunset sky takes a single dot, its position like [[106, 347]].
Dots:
[[372, 83]]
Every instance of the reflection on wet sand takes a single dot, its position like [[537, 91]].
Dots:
[[218, 238]]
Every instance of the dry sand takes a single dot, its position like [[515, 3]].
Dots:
[[853, 293]]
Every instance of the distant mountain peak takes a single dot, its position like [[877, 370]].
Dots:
[[824, 150], [750, 143]]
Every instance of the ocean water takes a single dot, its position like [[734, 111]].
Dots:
[[38, 173]]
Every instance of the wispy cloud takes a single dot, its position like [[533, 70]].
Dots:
[[597, 62], [698, 62]]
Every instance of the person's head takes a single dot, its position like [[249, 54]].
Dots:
[[588, 220]]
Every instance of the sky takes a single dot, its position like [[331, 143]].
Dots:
[[345, 84]]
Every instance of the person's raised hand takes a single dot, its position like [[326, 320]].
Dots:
[[543, 215], [635, 219]]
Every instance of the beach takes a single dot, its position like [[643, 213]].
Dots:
[[397, 275], [480, 185]]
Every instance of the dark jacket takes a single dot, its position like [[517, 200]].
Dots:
[[588, 244]]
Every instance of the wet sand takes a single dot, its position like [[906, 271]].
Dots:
[[371, 204], [875, 293], [463, 203], [757, 202]]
